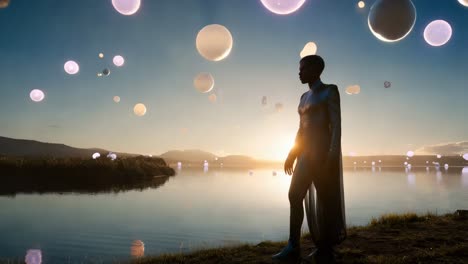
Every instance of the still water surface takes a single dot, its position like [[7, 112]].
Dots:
[[204, 209]]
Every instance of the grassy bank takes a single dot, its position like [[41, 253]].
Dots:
[[407, 238], [19, 175]]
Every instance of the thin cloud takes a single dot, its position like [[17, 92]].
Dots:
[[452, 148]]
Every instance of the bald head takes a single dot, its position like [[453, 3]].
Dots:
[[310, 68]]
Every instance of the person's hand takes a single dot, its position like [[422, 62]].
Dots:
[[288, 164]]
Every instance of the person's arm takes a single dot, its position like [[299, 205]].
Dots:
[[297, 148], [334, 114]]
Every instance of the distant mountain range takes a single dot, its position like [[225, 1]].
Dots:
[[32, 148]]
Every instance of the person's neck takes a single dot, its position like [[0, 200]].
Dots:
[[314, 85]]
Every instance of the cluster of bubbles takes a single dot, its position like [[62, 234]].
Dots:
[[309, 49], [353, 89], [283, 7]]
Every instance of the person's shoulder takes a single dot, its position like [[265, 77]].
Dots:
[[332, 88], [304, 94]]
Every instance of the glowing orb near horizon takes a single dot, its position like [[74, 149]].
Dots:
[[391, 20], [116, 99], [387, 84], [71, 67], [309, 49], [214, 42], [361, 4], [283, 7], [126, 7], [179, 165], [101, 55], [373, 163], [406, 163], [36, 95], [410, 153], [437, 33], [118, 61], [137, 250], [463, 2], [465, 156], [96, 155], [353, 89], [203, 82], [139, 109], [112, 156], [213, 98], [33, 256], [439, 156]]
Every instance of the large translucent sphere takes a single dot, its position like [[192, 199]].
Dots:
[[437, 33], [36, 95], [4, 3], [203, 82], [463, 2], [118, 61], [391, 20], [71, 67], [309, 49], [283, 7], [126, 7], [139, 109], [214, 42]]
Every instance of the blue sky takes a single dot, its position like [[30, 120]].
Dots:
[[426, 104]]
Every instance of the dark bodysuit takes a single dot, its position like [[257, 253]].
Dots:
[[318, 168]]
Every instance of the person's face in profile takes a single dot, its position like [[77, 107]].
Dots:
[[308, 73]]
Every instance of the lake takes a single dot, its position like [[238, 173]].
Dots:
[[198, 208]]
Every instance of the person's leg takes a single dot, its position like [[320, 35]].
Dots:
[[300, 183]]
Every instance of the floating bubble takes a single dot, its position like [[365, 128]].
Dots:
[[4, 3], [283, 7], [387, 84], [463, 2], [439, 156], [139, 109], [279, 107], [137, 249], [391, 20], [126, 7], [407, 158], [203, 82], [406, 163], [116, 99], [112, 156], [71, 67], [33, 256], [465, 156], [99, 74], [361, 4], [106, 72], [437, 33], [214, 42], [353, 89], [309, 49], [213, 98], [427, 161], [380, 161], [118, 61], [410, 153], [36, 95], [101, 55], [264, 100], [355, 163], [96, 155]]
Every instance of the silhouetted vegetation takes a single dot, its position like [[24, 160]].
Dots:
[[26, 175], [406, 238]]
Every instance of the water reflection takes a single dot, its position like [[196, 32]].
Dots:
[[33, 256], [464, 177], [137, 250]]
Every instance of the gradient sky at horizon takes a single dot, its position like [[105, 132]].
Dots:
[[426, 104]]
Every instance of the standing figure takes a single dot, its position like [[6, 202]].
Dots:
[[317, 177]]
